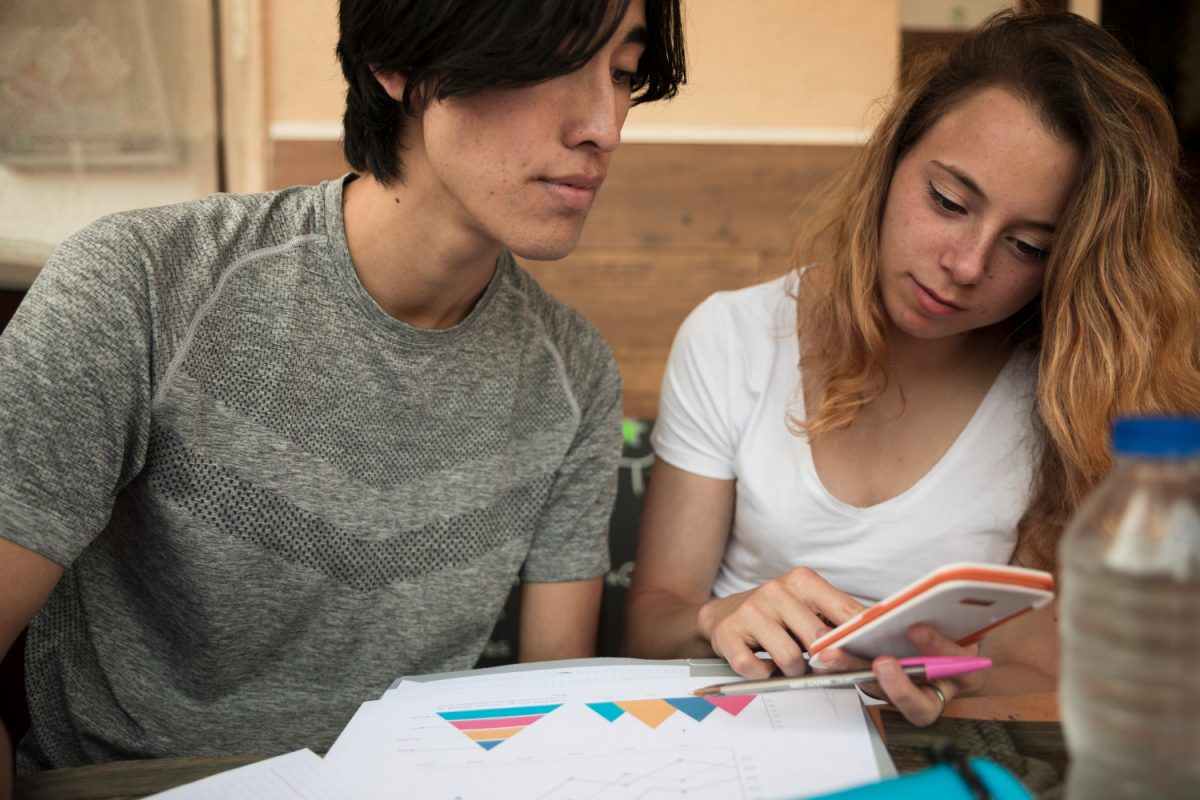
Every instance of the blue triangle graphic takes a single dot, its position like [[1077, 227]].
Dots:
[[488, 745], [695, 707], [610, 711]]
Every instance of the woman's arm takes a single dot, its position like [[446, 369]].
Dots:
[[670, 612], [1024, 652], [685, 526]]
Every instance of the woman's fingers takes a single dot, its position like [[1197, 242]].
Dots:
[[780, 617], [920, 704], [930, 642], [755, 626], [834, 660]]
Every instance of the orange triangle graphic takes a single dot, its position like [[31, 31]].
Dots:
[[652, 712]]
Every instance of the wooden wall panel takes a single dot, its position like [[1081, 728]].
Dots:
[[673, 224], [638, 299], [714, 196], [297, 162]]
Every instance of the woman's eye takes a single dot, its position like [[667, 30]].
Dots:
[[1029, 251], [945, 203]]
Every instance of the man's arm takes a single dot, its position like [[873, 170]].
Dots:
[[26, 580], [559, 620]]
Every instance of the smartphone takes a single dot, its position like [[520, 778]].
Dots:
[[963, 601]]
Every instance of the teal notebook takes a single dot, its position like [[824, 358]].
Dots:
[[945, 782]]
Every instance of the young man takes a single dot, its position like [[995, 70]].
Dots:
[[260, 455]]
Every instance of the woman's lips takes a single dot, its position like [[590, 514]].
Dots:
[[933, 303]]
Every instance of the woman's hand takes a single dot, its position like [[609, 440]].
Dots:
[[781, 617], [920, 703]]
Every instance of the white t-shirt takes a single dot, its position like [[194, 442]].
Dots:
[[731, 382]]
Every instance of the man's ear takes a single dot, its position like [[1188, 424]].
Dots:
[[392, 82]]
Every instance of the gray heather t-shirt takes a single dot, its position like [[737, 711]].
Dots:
[[270, 497]]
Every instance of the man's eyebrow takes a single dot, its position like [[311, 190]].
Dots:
[[636, 35], [973, 187]]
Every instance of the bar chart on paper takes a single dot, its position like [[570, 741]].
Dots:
[[629, 744]]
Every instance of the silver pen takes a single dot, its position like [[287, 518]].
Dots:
[[928, 668]]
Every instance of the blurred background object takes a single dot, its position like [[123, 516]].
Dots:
[[105, 105]]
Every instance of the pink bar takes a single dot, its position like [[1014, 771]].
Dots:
[[497, 722]]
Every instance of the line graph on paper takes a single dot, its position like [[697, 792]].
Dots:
[[694, 774], [644, 741], [700, 775]]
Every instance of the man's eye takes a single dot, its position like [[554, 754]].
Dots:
[[622, 76]]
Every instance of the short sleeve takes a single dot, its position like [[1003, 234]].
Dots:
[[695, 429], [74, 393], [571, 541]]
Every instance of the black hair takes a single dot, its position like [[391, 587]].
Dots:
[[448, 48]]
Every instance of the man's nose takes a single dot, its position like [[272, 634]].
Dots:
[[599, 107]]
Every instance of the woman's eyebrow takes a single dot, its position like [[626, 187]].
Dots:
[[973, 187], [963, 178]]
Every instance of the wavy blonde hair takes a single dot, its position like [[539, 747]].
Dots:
[[1117, 325]]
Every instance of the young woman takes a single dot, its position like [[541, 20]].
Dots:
[[1008, 265]]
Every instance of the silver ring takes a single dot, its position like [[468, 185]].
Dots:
[[941, 699]]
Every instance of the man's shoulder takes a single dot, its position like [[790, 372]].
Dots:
[[217, 220], [567, 333], [563, 324], [169, 258]]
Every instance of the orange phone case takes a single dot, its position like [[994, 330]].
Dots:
[[963, 601]]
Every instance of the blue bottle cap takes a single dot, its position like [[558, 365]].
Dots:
[[1165, 437]]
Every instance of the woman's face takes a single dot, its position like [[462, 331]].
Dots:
[[970, 216]]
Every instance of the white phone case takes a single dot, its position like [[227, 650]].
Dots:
[[962, 601]]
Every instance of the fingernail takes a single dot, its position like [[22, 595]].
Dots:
[[920, 636]]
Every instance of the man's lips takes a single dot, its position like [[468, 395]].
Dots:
[[580, 180], [574, 191], [933, 302]]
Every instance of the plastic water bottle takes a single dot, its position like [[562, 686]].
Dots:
[[1130, 620]]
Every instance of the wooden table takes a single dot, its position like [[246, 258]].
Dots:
[[1029, 722]]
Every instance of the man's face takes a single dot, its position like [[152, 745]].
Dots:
[[521, 167]]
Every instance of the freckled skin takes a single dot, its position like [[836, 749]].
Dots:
[[501, 169], [477, 162], [972, 259]]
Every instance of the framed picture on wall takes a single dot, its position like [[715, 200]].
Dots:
[[80, 83]]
